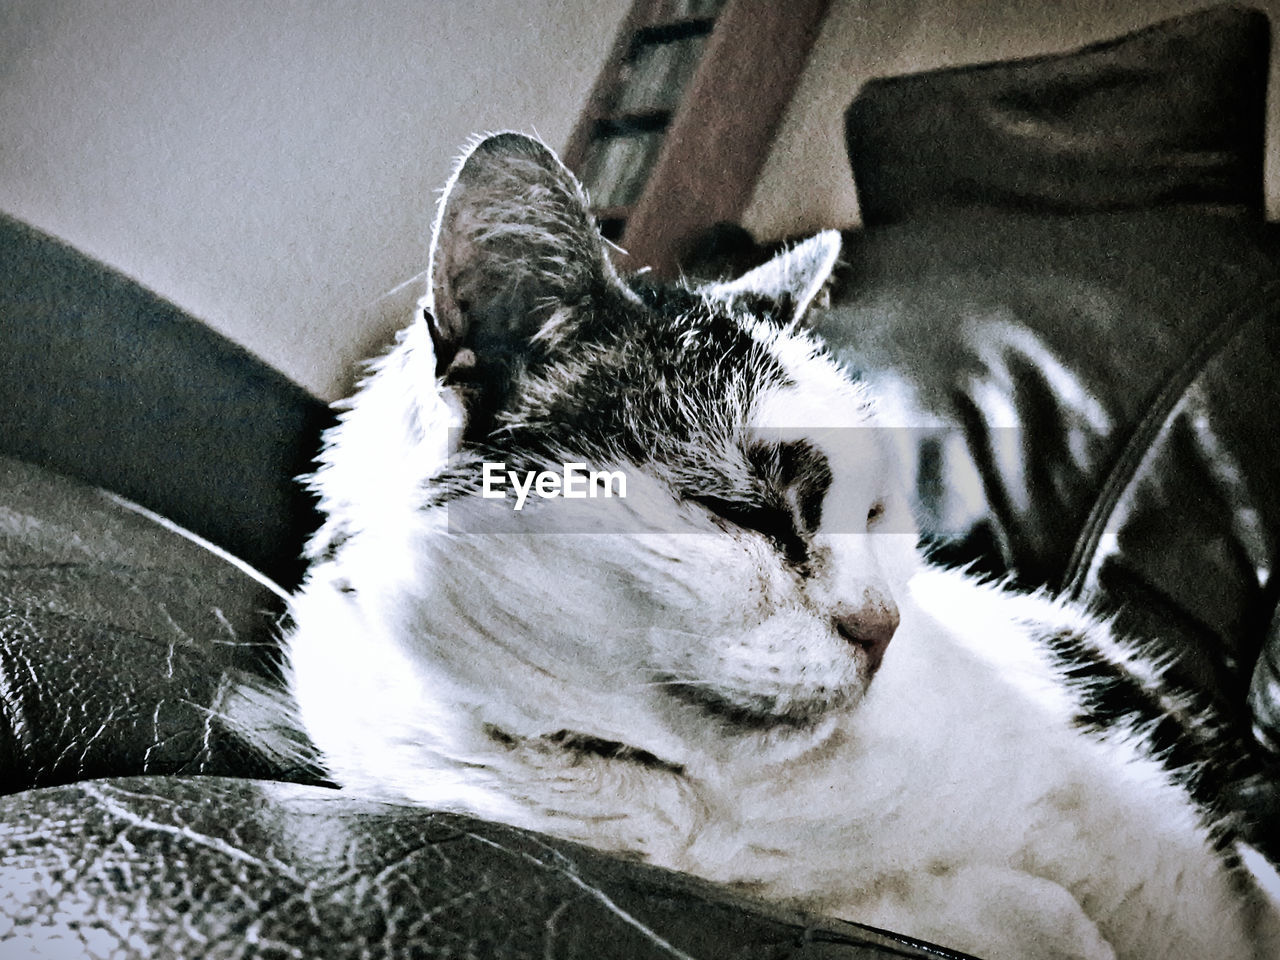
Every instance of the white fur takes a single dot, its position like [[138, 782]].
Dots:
[[952, 801], [948, 795]]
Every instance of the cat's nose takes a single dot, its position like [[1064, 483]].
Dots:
[[869, 625]]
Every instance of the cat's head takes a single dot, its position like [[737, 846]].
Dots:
[[753, 572]]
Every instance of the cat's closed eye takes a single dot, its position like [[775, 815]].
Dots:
[[773, 522]]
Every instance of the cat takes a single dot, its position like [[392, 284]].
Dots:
[[742, 668]]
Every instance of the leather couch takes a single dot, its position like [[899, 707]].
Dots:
[[1088, 381]]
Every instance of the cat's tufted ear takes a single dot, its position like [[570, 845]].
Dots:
[[791, 280], [514, 248]]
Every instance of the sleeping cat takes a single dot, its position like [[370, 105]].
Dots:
[[738, 666]]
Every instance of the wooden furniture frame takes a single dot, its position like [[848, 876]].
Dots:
[[716, 140]]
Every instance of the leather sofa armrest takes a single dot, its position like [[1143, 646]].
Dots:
[[206, 867]]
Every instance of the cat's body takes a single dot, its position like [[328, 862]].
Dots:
[[743, 670]]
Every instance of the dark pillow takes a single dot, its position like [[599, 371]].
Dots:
[[103, 380], [1173, 114]]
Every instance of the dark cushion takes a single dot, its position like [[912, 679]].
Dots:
[[1174, 113], [103, 380]]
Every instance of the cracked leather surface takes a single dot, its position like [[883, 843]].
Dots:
[[118, 639], [220, 868]]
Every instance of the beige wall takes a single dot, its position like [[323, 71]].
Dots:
[[806, 183], [271, 165]]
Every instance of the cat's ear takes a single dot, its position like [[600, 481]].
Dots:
[[514, 247], [791, 280]]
